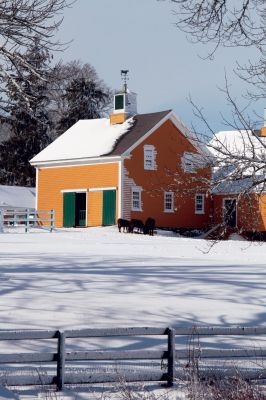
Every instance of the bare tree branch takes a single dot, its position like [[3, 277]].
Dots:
[[21, 22]]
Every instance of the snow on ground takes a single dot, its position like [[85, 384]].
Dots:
[[96, 277]]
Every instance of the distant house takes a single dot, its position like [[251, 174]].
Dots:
[[17, 197], [127, 166], [235, 201]]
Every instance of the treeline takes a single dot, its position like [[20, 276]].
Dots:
[[40, 102]]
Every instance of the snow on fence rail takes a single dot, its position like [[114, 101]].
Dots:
[[28, 218], [64, 374]]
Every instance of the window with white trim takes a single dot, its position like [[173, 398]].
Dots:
[[168, 202], [136, 199], [199, 203], [191, 162], [149, 157]]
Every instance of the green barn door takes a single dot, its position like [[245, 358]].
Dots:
[[69, 209], [109, 206]]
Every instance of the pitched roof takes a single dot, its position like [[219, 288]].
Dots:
[[96, 138], [17, 197], [85, 139], [241, 157], [238, 142], [142, 123]]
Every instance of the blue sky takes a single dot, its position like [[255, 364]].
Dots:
[[165, 68]]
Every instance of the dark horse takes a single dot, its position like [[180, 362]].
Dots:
[[123, 223], [149, 226], [138, 224]]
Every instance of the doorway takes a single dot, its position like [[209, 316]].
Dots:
[[109, 207], [74, 209], [229, 212]]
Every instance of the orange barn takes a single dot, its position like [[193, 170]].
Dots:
[[127, 166]]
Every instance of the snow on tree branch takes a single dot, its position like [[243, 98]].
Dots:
[[21, 22]]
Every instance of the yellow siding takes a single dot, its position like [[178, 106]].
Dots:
[[117, 118], [52, 181], [262, 202], [94, 208], [263, 131]]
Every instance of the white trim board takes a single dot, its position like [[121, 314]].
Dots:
[[119, 189], [74, 190], [76, 162], [37, 188], [100, 189]]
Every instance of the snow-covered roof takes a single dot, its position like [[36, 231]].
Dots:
[[88, 139], [241, 161], [240, 142], [85, 139], [17, 197]]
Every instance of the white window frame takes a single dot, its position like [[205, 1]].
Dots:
[[136, 190], [149, 157], [202, 210], [171, 194]]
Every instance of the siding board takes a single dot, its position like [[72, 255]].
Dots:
[[52, 181]]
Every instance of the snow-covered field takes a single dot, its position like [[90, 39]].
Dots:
[[97, 277]]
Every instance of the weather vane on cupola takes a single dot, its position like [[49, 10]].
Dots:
[[125, 102], [124, 77]]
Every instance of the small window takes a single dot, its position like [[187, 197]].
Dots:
[[188, 166], [199, 203], [149, 157], [136, 199], [168, 201], [119, 102], [187, 162]]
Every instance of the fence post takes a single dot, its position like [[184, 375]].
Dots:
[[1, 221], [171, 357], [61, 356], [27, 221], [52, 221]]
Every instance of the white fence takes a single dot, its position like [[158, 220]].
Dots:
[[27, 218]]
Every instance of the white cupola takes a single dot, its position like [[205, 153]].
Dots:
[[125, 103]]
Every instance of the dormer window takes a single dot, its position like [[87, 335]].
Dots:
[[149, 157]]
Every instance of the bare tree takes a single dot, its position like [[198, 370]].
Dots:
[[68, 80], [237, 156], [231, 24], [21, 21]]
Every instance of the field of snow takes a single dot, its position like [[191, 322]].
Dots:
[[98, 277]]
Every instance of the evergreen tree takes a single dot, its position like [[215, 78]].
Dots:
[[28, 117], [85, 99]]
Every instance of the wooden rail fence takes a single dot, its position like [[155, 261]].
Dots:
[[28, 218], [173, 355]]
